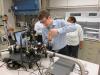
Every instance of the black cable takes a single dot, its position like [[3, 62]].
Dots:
[[24, 70], [39, 68], [2, 65], [35, 69], [32, 73], [44, 69], [18, 72]]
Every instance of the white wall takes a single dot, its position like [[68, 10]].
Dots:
[[43, 3], [0, 7], [6, 7], [57, 3], [62, 3], [74, 5], [82, 2], [58, 13]]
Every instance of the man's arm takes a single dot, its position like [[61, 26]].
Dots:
[[81, 37], [37, 28], [64, 29], [81, 44], [44, 37]]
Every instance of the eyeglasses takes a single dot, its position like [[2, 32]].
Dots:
[[44, 20]]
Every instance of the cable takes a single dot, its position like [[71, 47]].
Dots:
[[2, 65], [32, 73], [39, 68], [18, 72], [25, 71], [44, 69]]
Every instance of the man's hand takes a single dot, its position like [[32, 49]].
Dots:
[[52, 33], [10, 29], [81, 45], [49, 36]]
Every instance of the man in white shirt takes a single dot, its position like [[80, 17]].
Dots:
[[8, 29], [74, 39], [38, 28]]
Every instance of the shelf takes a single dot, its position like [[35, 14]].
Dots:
[[56, 8], [91, 32], [91, 28], [92, 38], [78, 6], [82, 6]]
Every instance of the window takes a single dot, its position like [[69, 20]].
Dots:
[[92, 14], [75, 14]]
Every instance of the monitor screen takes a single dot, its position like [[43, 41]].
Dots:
[[17, 37]]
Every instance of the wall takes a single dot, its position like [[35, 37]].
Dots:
[[43, 3], [58, 13], [82, 2], [56, 3], [61, 13], [0, 8], [7, 10], [63, 3], [59, 8]]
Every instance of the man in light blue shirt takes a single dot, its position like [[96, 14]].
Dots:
[[54, 32]]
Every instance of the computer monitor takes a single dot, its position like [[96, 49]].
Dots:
[[17, 38]]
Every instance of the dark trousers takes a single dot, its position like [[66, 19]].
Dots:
[[73, 51], [62, 51]]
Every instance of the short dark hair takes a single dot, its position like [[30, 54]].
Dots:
[[43, 14], [72, 18], [5, 15]]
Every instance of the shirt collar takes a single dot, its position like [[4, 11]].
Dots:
[[54, 23]]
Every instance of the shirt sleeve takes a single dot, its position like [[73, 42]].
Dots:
[[81, 34], [35, 27], [44, 37], [38, 28], [66, 28]]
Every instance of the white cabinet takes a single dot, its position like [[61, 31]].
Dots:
[[57, 3], [82, 2], [71, 3]]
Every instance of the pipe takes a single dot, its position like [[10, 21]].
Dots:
[[72, 59]]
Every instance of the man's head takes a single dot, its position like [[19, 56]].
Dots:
[[45, 18], [71, 19], [5, 18]]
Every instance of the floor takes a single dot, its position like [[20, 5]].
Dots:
[[90, 51]]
